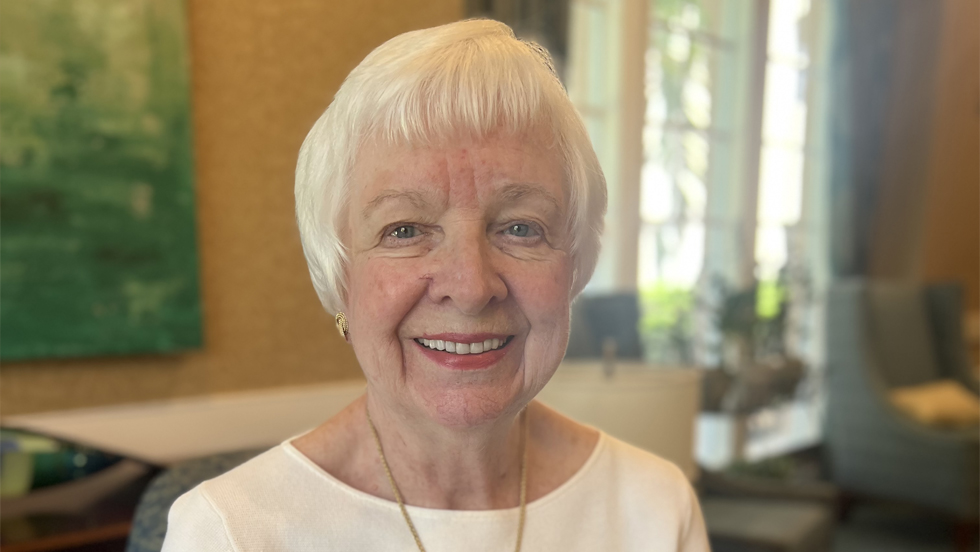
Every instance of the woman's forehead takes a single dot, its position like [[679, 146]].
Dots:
[[469, 171]]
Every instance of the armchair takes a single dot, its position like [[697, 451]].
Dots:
[[881, 336]]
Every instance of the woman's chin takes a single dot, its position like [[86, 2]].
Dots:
[[469, 406]]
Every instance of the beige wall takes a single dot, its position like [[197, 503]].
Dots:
[[262, 72], [951, 229]]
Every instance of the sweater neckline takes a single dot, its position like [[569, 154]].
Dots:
[[564, 488]]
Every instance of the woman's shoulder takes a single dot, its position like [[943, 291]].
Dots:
[[573, 454], [641, 462], [637, 475], [193, 523], [640, 465], [648, 487], [198, 518], [566, 438], [251, 499], [265, 477], [275, 477]]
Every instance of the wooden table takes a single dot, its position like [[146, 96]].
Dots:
[[104, 527]]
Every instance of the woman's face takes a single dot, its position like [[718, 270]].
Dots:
[[459, 276]]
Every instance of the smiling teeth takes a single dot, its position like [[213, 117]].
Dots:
[[462, 348]]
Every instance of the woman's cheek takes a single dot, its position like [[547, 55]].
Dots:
[[543, 297], [544, 283], [383, 291]]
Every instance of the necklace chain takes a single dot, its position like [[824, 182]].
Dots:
[[401, 502]]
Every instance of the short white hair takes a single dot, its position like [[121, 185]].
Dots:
[[470, 77]]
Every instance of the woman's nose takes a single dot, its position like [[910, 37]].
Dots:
[[467, 275]]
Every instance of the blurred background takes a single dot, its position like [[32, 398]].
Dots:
[[787, 304]]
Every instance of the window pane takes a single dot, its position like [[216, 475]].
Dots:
[[784, 118], [678, 81], [770, 251], [780, 185], [671, 254], [784, 133], [656, 195], [788, 24], [692, 179]]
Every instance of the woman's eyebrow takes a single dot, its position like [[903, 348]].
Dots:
[[417, 199], [513, 193]]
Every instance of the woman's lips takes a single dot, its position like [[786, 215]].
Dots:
[[465, 351]]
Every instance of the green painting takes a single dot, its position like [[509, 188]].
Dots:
[[97, 237]]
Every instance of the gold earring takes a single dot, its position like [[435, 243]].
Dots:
[[342, 325]]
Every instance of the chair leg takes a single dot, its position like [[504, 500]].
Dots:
[[965, 535]]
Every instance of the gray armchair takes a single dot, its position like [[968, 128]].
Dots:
[[881, 336]]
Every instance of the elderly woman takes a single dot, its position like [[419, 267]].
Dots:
[[450, 205]]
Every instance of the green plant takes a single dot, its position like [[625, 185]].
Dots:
[[665, 323]]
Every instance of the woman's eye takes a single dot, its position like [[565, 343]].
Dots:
[[404, 232], [521, 230]]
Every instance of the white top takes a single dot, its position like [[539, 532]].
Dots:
[[621, 499]]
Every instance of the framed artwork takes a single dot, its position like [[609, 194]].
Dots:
[[97, 225]]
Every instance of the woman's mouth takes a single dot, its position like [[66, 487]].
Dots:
[[465, 351], [458, 348]]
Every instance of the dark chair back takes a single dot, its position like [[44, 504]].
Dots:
[[596, 318]]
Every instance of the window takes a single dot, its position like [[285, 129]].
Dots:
[[725, 149], [727, 179], [697, 83]]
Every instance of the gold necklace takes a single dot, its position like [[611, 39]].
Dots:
[[401, 503]]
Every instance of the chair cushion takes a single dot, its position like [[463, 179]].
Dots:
[[943, 403]]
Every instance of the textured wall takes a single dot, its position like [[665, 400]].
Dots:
[[262, 73], [951, 240]]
